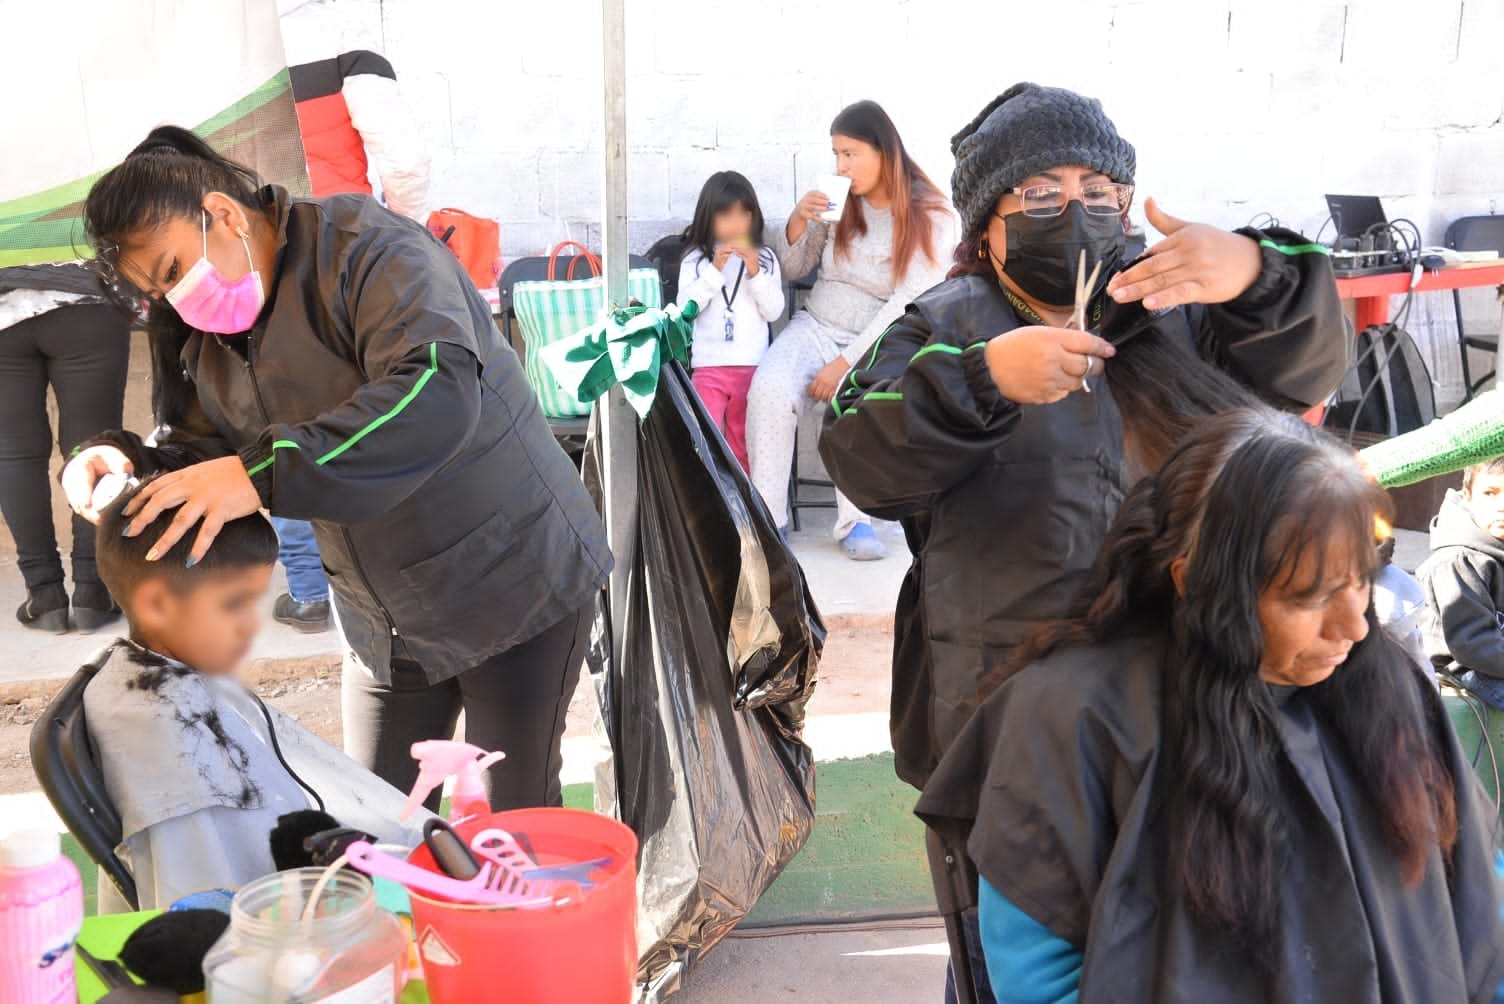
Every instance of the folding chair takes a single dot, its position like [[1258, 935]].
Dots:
[[68, 770], [1474, 233]]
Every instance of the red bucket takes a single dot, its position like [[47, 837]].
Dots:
[[582, 950]]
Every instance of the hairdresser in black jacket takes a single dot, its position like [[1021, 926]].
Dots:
[[991, 432], [989, 429], [329, 360]]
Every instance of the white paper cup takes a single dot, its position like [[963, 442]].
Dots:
[[836, 189]]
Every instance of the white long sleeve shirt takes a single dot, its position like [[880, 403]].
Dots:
[[754, 304]]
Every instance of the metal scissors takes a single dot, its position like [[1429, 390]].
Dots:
[[1084, 287]]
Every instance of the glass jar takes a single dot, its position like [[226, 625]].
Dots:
[[348, 952]]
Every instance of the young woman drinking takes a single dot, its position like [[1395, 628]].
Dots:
[[891, 244], [1218, 779]]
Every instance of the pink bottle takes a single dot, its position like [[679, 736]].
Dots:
[[41, 911]]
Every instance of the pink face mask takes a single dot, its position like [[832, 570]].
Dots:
[[207, 301]]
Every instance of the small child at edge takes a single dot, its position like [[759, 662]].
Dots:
[[1463, 580]]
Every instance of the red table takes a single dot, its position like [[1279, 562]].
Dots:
[[1370, 293]]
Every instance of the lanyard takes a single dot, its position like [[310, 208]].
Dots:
[[741, 270]]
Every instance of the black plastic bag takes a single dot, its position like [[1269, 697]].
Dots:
[[705, 710]]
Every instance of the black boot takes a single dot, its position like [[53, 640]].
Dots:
[[93, 607], [45, 609], [309, 618]]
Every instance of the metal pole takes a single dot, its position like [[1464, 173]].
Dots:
[[618, 423]]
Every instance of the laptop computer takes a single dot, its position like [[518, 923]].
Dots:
[[1352, 215]]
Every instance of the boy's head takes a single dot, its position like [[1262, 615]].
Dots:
[[205, 616], [1483, 487]]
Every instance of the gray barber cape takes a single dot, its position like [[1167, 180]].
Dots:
[[1056, 791], [189, 764]]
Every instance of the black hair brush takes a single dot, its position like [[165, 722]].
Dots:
[[168, 951]]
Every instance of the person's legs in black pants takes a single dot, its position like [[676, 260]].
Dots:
[[515, 702], [83, 352], [383, 721], [25, 448], [88, 353]]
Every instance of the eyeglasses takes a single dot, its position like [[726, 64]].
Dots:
[[1105, 199]]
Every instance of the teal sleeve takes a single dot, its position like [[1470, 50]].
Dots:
[[1026, 962]]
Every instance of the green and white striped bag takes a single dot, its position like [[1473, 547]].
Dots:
[[554, 309]]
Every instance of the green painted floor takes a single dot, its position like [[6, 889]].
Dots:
[[865, 857]]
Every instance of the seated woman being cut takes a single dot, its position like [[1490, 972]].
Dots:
[[1219, 780]]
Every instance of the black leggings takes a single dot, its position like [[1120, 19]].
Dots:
[[514, 702], [83, 352]]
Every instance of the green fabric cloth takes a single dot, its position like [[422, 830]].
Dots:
[[629, 347], [1470, 435]]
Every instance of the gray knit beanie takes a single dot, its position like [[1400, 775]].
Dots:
[[1025, 130]]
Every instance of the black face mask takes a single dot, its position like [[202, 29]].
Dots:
[[1043, 253]]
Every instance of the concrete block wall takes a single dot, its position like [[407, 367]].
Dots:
[[1237, 107]]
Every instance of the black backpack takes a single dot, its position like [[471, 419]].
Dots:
[[667, 254], [1386, 391]]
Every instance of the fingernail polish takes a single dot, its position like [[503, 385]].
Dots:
[[152, 555], [190, 562], [125, 531]]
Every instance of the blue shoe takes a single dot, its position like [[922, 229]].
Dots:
[[861, 544]]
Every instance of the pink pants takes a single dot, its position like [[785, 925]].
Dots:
[[724, 391]]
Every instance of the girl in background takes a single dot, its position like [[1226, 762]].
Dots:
[[735, 281]]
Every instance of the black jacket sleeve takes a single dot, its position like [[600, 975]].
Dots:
[[916, 419], [413, 337], [367, 455], [1466, 611], [1285, 336]]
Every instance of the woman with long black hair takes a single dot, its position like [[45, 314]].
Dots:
[[1218, 779], [328, 360]]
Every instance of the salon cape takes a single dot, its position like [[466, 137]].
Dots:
[[188, 763], [1055, 788]]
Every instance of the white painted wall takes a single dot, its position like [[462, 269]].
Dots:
[[1237, 107]]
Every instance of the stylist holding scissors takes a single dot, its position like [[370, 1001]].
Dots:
[[328, 360]]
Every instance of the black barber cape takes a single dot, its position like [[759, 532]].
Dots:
[[1057, 783]]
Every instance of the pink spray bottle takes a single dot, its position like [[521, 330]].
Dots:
[[442, 758]]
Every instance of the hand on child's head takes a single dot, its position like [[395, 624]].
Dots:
[[205, 615]]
